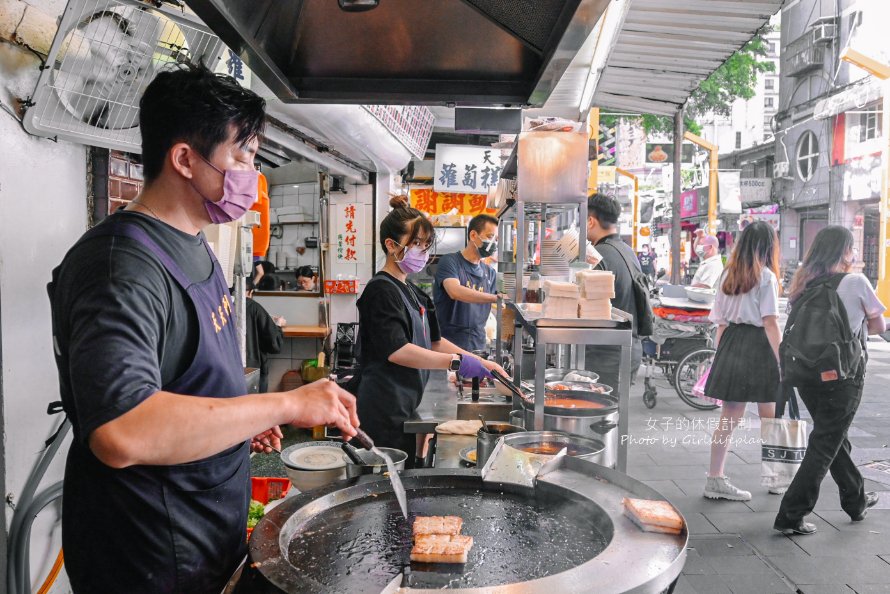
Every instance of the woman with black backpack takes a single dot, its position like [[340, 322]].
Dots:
[[745, 369], [831, 396]]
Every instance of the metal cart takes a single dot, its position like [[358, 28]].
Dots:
[[577, 333]]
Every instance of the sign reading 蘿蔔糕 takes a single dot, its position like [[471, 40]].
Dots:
[[349, 233], [466, 169]]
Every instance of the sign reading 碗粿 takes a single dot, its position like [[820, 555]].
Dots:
[[466, 169], [349, 233]]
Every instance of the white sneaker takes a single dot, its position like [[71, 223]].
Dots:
[[719, 487], [777, 490]]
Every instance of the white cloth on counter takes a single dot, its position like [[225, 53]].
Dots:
[[459, 427]]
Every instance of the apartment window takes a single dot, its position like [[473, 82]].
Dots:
[[738, 140], [768, 102], [771, 48], [769, 84], [807, 156], [869, 125]]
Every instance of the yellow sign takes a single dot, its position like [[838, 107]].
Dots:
[[432, 202]]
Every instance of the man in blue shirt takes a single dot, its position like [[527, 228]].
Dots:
[[465, 286]]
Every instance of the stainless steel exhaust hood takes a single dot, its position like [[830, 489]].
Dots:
[[461, 52]]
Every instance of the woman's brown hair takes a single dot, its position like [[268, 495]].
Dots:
[[829, 250], [403, 219], [758, 247]]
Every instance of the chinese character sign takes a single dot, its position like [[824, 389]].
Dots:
[[434, 203], [349, 233], [231, 63], [466, 169]]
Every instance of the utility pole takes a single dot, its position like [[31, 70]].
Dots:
[[675, 208]]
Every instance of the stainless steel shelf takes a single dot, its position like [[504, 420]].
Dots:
[[570, 331]]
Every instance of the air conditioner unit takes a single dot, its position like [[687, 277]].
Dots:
[[824, 32], [104, 54], [780, 169]]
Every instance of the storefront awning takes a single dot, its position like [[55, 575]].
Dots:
[[666, 49]]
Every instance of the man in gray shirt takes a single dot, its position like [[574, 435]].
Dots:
[[603, 212]]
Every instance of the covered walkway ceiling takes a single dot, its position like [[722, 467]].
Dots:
[[664, 50]]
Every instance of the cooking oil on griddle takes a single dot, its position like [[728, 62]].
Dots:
[[361, 546]]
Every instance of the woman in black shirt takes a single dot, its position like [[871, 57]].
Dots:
[[399, 333]]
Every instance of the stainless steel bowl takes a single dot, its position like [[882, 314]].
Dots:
[[532, 442], [558, 375], [398, 459]]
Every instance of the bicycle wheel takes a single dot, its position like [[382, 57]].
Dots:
[[688, 371]]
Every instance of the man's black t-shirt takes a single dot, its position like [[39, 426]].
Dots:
[[385, 325], [124, 324]]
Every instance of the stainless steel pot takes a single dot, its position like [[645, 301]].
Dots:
[[486, 440], [553, 441], [557, 375], [353, 470], [594, 423]]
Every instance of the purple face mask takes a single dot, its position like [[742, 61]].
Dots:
[[239, 194], [413, 261]]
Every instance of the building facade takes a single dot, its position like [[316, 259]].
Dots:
[[828, 126]]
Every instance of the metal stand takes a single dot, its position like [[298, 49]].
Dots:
[[578, 332]]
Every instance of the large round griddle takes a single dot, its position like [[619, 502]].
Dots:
[[550, 537]]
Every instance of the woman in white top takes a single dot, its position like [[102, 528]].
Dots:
[[745, 369], [832, 406]]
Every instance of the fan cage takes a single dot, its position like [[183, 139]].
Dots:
[[59, 96]]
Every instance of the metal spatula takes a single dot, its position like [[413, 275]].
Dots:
[[394, 478]]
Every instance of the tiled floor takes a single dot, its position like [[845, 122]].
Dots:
[[733, 548]]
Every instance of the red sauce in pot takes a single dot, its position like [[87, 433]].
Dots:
[[573, 403]]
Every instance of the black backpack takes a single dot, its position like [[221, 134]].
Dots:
[[640, 285], [818, 348]]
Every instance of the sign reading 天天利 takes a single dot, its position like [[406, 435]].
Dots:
[[349, 233], [466, 169]]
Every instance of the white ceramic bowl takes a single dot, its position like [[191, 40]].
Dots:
[[312, 468]]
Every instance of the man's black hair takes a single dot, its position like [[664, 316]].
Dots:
[[191, 104], [248, 284], [478, 223], [604, 208]]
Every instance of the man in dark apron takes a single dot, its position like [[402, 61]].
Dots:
[[466, 287], [156, 482]]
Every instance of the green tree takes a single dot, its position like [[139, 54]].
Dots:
[[735, 79]]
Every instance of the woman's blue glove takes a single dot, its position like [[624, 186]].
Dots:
[[472, 367]]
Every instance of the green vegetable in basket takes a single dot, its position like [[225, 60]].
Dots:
[[255, 513]]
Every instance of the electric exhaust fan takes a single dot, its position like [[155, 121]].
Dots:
[[103, 56]]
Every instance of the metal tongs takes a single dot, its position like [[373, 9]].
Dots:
[[506, 381]]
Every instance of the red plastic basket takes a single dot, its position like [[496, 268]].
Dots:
[[266, 489]]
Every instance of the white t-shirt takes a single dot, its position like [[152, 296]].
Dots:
[[750, 307], [709, 272], [860, 301]]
